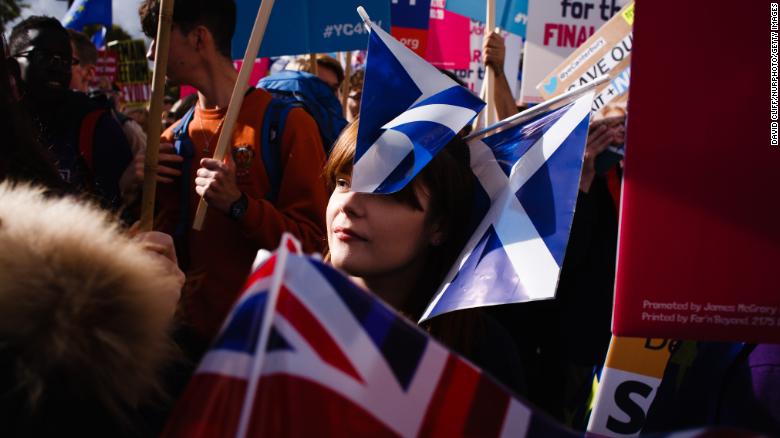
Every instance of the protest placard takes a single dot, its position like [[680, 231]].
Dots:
[[474, 73], [410, 19], [308, 26], [607, 52], [105, 70], [448, 38], [629, 383], [699, 238], [133, 75], [511, 15], [555, 30]]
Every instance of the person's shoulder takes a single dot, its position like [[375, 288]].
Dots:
[[78, 104]]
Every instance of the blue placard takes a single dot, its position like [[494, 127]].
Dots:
[[413, 14], [511, 15], [309, 26]]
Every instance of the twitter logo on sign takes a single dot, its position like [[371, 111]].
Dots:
[[552, 85]]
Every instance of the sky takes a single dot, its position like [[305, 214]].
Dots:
[[125, 12]]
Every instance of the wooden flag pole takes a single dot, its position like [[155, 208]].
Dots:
[[237, 99], [490, 77], [345, 84], [154, 126]]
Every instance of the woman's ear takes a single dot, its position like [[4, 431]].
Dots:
[[438, 233]]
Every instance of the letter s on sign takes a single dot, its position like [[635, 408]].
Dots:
[[635, 412]]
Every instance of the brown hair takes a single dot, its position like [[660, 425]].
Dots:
[[85, 49], [219, 17], [448, 180]]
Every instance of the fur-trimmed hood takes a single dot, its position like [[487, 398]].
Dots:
[[82, 315]]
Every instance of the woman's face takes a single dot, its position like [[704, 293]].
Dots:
[[376, 235]]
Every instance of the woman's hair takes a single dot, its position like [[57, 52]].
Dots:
[[449, 183], [21, 155]]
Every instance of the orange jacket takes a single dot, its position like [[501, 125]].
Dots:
[[218, 259]]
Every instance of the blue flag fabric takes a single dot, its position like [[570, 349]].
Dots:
[[308, 26], [511, 15], [529, 180], [408, 113], [413, 14], [86, 12], [99, 38]]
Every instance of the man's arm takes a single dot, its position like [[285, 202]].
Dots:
[[302, 199], [493, 55]]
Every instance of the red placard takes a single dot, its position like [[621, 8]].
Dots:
[[105, 69], [415, 39], [699, 253]]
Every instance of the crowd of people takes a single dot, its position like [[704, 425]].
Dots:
[[102, 325]]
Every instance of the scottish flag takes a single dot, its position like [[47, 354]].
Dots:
[[86, 12], [408, 113], [528, 183]]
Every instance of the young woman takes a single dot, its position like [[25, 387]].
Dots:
[[401, 246]]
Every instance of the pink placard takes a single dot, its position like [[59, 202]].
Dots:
[[258, 72], [449, 39]]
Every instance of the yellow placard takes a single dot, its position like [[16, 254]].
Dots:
[[628, 14]]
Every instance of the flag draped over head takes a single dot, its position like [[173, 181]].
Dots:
[[86, 12], [408, 113], [305, 352], [528, 183]]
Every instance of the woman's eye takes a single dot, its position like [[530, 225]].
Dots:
[[342, 183]]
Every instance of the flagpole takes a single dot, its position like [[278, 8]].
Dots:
[[237, 99], [345, 85], [490, 77], [280, 265], [539, 109], [154, 126]]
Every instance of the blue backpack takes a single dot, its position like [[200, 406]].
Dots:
[[270, 144], [304, 90]]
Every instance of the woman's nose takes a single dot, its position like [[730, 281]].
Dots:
[[352, 204]]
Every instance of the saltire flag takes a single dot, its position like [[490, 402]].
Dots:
[[528, 180], [305, 352], [408, 113], [85, 12]]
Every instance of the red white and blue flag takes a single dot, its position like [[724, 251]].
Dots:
[[528, 178], [305, 352]]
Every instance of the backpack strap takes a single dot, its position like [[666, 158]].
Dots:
[[271, 138], [87, 137], [185, 148]]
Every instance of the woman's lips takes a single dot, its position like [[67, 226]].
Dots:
[[347, 235]]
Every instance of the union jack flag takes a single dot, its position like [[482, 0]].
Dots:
[[408, 113], [305, 352], [528, 184]]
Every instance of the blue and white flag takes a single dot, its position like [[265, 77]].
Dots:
[[409, 111], [528, 184], [86, 12]]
